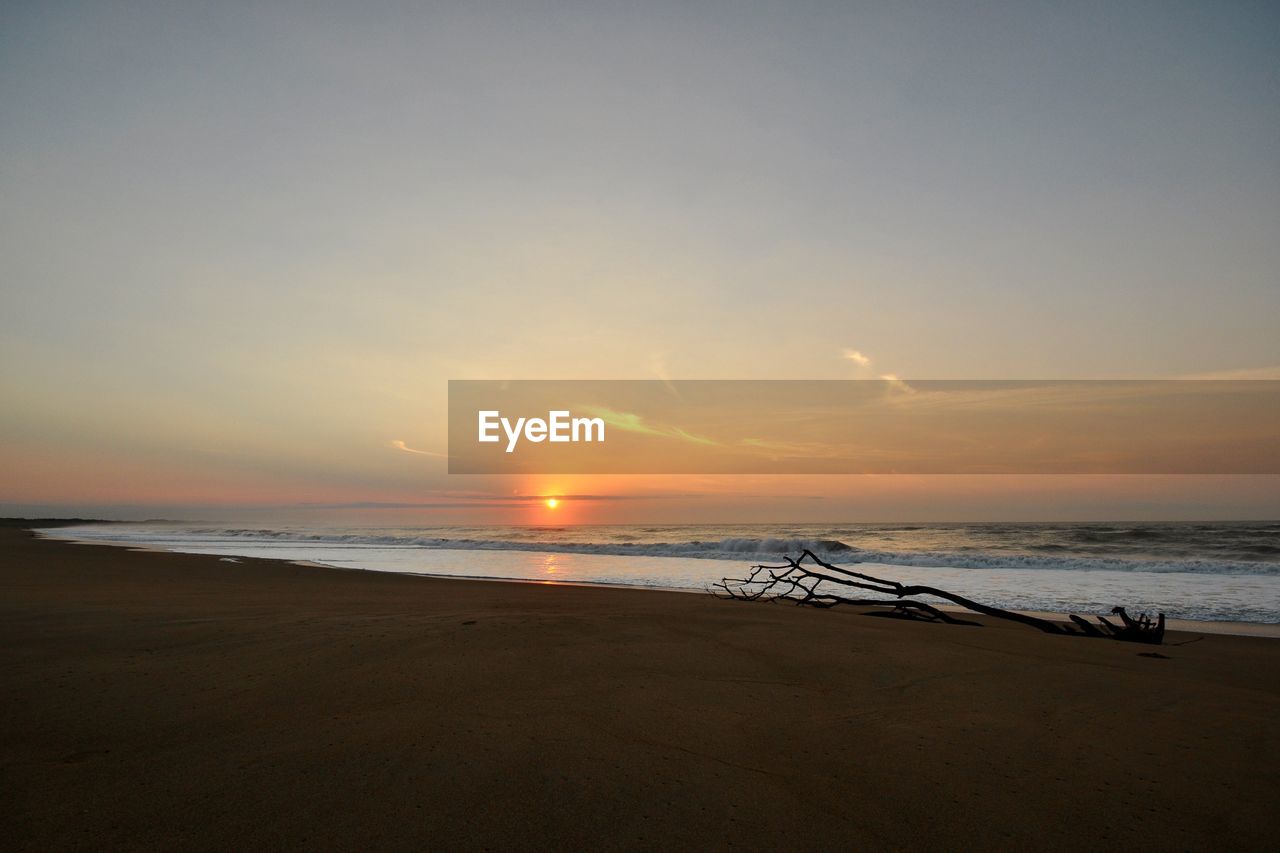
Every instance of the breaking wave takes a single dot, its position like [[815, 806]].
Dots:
[[742, 549]]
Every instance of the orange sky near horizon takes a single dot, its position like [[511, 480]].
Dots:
[[198, 488]]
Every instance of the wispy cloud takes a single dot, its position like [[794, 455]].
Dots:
[[660, 370], [858, 358], [397, 444], [897, 384], [628, 422]]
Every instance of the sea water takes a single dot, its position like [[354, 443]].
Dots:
[[1219, 571]]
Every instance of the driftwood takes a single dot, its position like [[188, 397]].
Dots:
[[802, 581]]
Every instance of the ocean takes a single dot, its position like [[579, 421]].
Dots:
[[1216, 571]]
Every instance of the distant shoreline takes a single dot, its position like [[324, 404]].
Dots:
[[32, 523]]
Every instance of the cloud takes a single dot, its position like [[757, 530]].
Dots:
[[660, 371], [628, 422], [857, 357], [897, 384], [397, 444]]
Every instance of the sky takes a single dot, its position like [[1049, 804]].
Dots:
[[243, 247]]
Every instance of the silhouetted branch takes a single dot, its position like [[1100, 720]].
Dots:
[[800, 581]]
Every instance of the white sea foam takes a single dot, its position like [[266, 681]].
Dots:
[[1178, 569], [731, 548]]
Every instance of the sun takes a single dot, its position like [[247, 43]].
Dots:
[[552, 503]]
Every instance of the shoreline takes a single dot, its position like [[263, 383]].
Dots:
[[157, 699], [1270, 630]]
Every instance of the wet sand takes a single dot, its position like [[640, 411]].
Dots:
[[158, 701]]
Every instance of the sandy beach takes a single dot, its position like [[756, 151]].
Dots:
[[159, 700]]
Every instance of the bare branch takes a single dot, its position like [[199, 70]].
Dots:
[[801, 580]]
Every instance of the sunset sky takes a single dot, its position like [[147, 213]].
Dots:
[[242, 250]]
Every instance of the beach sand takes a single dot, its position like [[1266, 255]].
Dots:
[[158, 701]]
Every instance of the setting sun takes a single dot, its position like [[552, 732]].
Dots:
[[552, 503]]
